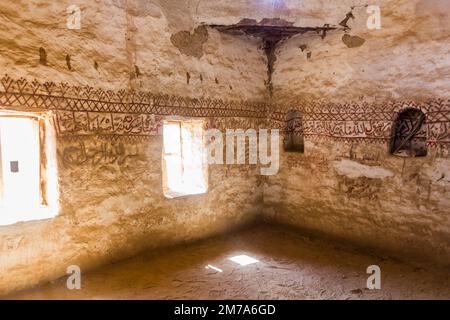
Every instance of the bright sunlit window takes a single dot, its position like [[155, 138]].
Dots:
[[184, 159], [23, 177]]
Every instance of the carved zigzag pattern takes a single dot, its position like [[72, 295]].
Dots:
[[84, 110]]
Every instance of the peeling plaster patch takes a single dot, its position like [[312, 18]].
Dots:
[[353, 170], [352, 41], [191, 44]]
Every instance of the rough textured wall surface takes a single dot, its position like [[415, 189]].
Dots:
[[127, 44], [112, 206], [107, 88], [356, 192], [408, 53], [344, 185], [349, 91]]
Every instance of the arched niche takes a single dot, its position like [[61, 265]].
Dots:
[[409, 137]]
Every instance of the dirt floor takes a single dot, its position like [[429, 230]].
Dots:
[[290, 266]]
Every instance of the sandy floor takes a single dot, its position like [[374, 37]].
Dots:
[[290, 267]]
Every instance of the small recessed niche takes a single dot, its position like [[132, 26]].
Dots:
[[293, 132]]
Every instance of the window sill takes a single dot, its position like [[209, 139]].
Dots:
[[172, 194], [10, 216]]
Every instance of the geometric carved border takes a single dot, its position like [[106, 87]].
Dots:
[[363, 121], [84, 110]]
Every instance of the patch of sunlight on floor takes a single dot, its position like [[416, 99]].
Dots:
[[244, 260]]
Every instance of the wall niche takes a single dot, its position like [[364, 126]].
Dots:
[[293, 132], [409, 138]]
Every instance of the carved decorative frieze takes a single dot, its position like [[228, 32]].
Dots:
[[84, 111], [363, 121]]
